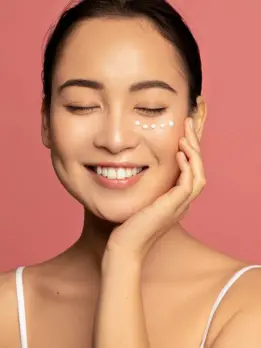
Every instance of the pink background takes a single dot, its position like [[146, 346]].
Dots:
[[38, 219]]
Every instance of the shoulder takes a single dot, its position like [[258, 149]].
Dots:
[[7, 291], [246, 288], [238, 317], [9, 327]]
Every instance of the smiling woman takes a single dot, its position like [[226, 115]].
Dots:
[[122, 118]]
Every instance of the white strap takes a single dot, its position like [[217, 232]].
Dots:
[[220, 298], [21, 306]]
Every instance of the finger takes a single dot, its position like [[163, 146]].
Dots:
[[184, 187], [191, 134], [197, 168], [169, 203]]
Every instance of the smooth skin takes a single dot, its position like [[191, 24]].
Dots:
[[135, 278]]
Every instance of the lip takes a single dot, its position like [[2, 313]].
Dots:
[[115, 183]]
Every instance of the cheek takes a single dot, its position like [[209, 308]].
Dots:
[[70, 138], [164, 143]]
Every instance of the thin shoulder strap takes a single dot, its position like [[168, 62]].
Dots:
[[221, 295], [21, 306]]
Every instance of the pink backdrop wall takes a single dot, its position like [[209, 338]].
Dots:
[[38, 219]]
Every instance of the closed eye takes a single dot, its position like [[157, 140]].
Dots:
[[88, 109], [152, 111], [81, 109]]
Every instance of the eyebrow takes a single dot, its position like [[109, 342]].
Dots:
[[136, 87]]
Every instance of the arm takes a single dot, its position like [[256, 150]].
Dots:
[[120, 318]]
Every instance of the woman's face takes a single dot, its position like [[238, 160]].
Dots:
[[92, 123]]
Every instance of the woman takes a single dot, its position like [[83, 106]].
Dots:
[[123, 116]]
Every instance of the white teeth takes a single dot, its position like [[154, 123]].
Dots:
[[120, 173], [104, 171], [128, 173], [111, 173], [117, 173], [134, 171]]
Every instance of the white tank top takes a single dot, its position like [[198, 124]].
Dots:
[[22, 314]]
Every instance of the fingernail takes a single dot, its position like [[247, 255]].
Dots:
[[191, 123]]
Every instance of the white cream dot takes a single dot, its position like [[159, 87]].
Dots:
[[137, 123], [145, 126], [153, 126], [171, 123], [162, 125]]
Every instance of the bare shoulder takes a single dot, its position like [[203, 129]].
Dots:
[[239, 306], [8, 314], [247, 289], [243, 327], [7, 294], [241, 280]]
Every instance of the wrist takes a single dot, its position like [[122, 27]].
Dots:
[[120, 262]]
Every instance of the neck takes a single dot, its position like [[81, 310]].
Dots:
[[95, 235], [90, 247], [96, 232]]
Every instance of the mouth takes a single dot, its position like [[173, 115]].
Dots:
[[116, 177]]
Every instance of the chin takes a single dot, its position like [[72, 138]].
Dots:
[[116, 214], [117, 207]]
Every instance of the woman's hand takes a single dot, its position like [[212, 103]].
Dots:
[[137, 235]]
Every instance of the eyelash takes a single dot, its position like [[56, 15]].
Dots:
[[154, 112], [73, 108], [148, 111]]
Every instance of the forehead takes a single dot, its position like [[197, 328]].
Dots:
[[117, 49]]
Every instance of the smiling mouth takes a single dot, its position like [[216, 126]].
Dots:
[[113, 173]]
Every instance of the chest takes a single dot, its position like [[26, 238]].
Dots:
[[173, 319]]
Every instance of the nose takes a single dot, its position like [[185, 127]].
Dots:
[[116, 135]]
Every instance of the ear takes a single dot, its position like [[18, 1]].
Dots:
[[199, 117], [45, 126]]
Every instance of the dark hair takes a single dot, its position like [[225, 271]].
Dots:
[[167, 20]]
